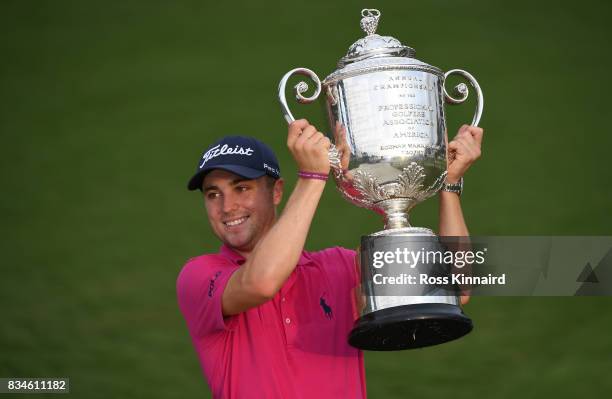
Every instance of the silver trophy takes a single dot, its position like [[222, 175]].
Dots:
[[387, 119]]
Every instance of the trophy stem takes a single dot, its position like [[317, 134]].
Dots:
[[396, 212], [396, 220]]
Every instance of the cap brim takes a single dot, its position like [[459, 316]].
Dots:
[[248, 173]]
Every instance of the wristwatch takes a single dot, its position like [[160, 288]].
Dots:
[[454, 188]]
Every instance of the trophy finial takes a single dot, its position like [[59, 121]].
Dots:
[[369, 20]]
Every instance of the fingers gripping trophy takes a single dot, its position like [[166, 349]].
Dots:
[[387, 115]]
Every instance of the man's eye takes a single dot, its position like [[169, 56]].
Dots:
[[212, 195], [242, 188]]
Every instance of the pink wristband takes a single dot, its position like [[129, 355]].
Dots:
[[312, 175]]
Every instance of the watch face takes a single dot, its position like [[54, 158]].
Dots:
[[455, 187]]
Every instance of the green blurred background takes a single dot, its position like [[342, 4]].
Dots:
[[106, 107]]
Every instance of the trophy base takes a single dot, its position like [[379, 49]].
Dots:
[[409, 327]]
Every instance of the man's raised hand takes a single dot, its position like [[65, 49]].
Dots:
[[309, 147], [463, 150]]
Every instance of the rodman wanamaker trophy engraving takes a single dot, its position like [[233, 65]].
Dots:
[[388, 108]]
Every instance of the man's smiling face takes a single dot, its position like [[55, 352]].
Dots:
[[240, 211]]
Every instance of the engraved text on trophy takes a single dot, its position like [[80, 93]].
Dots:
[[400, 107]]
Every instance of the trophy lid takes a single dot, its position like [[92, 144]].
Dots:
[[374, 45]]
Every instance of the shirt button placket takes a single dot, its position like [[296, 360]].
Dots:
[[288, 321]]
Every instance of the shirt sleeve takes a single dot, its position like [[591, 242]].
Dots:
[[346, 260], [350, 263], [199, 290]]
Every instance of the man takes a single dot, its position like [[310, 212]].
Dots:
[[268, 319]]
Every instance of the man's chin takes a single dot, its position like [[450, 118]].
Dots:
[[241, 245]]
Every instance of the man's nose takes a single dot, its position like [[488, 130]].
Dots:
[[230, 203]]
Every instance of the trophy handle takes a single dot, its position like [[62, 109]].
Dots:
[[300, 88], [462, 91]]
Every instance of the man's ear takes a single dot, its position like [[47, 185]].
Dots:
[[277, 191]]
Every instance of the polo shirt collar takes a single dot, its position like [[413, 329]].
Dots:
[[238, 259]]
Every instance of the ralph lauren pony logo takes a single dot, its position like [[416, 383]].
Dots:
[[211, 285], [326, 308]]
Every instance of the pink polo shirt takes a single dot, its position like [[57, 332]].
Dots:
[[293, 346]]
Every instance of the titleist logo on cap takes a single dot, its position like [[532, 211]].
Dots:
[[225, 150]]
